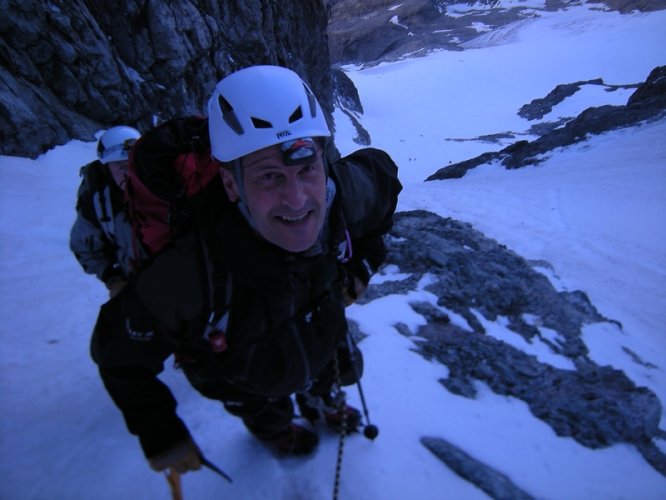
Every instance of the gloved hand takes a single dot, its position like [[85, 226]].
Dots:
[[183, 457], [114, 285]]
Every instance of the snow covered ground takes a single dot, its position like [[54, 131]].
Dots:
[[593, 211]]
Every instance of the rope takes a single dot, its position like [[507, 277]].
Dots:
[[342, 406]]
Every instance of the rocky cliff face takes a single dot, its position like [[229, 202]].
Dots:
[[71, 68]]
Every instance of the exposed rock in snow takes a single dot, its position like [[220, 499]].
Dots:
[[348, 101], [496, 484], [648, 102], [488, 301]]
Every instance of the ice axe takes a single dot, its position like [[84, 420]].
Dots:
[[207, 463], [173, 477]]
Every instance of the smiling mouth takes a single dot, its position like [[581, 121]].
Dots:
[[293, 219]]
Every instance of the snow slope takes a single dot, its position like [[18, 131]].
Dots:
[[594, 212]]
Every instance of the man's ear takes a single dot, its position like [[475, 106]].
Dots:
[[230, 185]]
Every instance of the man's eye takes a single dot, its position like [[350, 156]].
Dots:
[[310, 168], [269, 177]]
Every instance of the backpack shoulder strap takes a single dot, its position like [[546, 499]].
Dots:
[[92, 177], [220, 289]]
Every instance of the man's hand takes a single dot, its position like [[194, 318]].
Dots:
[[182, 457]]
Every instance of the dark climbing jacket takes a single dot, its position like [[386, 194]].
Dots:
[[265, 321]]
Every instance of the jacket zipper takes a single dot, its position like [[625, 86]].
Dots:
[[294, 332]]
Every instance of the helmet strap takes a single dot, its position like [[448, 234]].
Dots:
[[239, 178]]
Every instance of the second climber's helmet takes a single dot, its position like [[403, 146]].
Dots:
[[115, 144]]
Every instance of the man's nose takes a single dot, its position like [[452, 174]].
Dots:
[[293, 193]]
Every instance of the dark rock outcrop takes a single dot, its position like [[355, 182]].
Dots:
[[647, 103], [348, 102], [475, 277], [539, 108], [626, 6], [69, 69], [493, 482]]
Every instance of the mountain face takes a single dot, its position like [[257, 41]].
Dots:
[[69, 69], [374, 31]]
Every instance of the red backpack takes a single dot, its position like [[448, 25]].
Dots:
[[168, 167]]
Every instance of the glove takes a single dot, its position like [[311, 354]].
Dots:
[[114, 285], [182, 457]]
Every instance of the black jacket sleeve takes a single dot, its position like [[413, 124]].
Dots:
[[130, 351], [368, 186], [137, 331]]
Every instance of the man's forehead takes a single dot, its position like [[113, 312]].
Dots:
[[295, 152]]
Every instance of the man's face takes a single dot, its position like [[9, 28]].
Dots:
[[287, 202], [118, 171]]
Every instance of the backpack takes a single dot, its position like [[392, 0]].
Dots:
[[94, 178], [96, 181], [169, 167], [90, 178]]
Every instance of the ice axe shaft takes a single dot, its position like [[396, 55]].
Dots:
[[207, 463], [173, 478]]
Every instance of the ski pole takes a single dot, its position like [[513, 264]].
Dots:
[[369, 431], [207, 463]]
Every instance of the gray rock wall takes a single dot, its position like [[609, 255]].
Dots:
[[70, 68]]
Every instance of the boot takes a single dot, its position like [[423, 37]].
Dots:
[[295, 440], [325, 408], [348, 416]]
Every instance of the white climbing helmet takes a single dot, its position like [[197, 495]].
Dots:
[[115, 144], [261, 106]]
